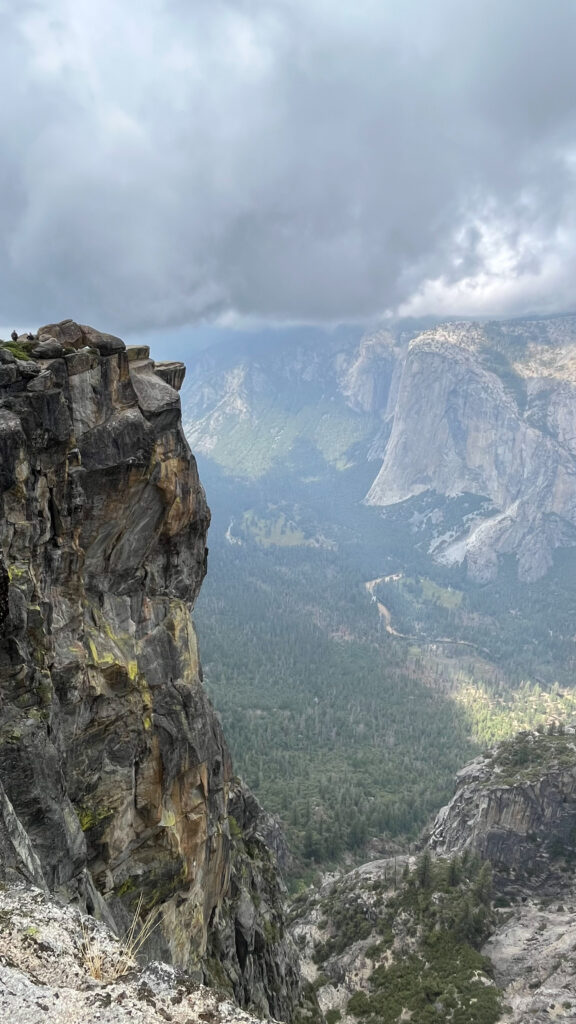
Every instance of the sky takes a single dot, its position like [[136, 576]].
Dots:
[[206, 165]]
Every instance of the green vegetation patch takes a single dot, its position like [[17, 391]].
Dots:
[[501, 713], [440, 917], [528, 755], [447, 983], [249, 447], [18, 351], [447, 597], [422, 589], [90, 817], [274, 531]]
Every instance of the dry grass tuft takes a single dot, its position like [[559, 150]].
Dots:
[[107, 963]]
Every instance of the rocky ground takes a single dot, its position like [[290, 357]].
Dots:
[[533, 950], [532, 947], [60, 967], [350, 903]]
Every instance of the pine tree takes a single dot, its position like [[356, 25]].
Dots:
[[424, 870], [454, 874], [482, 889]]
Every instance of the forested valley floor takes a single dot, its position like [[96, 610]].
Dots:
[[352, 735]]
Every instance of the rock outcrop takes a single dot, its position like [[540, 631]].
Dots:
[[114, 774], [60, 967], [384, 943], [516, 807], [532, 952]]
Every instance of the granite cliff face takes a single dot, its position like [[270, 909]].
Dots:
[[516, 807], [490, 411], [114, 774]]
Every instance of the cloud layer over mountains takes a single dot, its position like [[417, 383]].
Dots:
[[300, 160]]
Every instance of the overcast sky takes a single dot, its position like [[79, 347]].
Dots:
[[172, 162]]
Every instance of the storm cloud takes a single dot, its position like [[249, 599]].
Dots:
[[174, 161]]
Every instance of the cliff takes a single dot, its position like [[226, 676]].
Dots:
[[490, 410], [114, 774], [516, 807]]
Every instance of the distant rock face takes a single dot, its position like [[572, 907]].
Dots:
[[515, 808], [458, 409], [366, 378], [114, 774], [490, 412], [249, 408]]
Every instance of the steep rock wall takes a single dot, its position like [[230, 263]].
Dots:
[[114, 773], [472, 417], [516, 807]]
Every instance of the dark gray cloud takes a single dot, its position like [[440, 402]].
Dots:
[[300, 160]]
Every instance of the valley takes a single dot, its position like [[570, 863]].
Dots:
[[366, 652]]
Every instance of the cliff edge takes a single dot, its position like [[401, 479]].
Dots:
[[114, 774], [516, 807]]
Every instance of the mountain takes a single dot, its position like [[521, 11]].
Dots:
[[458, 409], [490, 410], [115, 778]]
